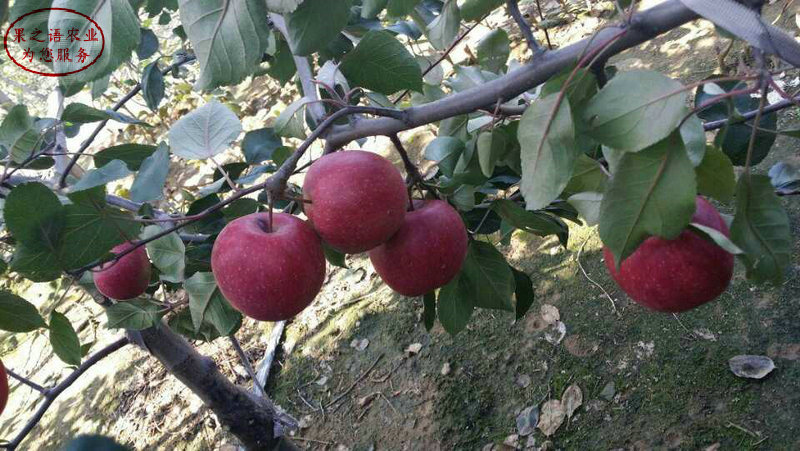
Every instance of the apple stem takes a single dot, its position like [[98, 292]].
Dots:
[[270, 205], [410, 199]]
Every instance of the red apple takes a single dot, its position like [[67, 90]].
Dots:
[[680, 274], [268, 275], [126, 278], [3, 387], [427, 251], [358, 199]]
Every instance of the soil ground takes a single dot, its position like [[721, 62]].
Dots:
[[649, 381]]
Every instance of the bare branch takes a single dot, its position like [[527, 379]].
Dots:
[[524, 27], [26, 381], [51, 394], [644, 26]]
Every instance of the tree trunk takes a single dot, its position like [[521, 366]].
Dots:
[[250, 418]]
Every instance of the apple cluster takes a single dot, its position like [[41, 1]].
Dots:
[[355, 202], [271, 267]]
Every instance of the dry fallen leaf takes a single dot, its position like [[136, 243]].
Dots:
[[556, 333], [413, 349], [527, 420], [445, 369], [512, 441], [751, 366], [580, 346], [551, 416], [359, 344], [572, 399], [549, 313], [705, 334]]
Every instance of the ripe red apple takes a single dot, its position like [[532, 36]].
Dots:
[[268, 275], [3, 387], [680, 274], [427, 251], [358, 199], [126, 278]]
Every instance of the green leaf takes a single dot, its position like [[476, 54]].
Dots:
[[493, 50], [78, 113], [476, 9], [93, 443], [148, 44], [715, 176], [99, 87], [445, 151], [455, 305], [205, 132], [370, 9], [152, 86], [283, 6], [40, 227], [487, 272], [635, 110], [38, 265], [291, 122], [114, 170], [120, 26], [167, 254], [333, 256], [282, 66], [240, 207], [534, 222], [717, 238], [64, 340], [138, 314], [18, 134], [652, 193], [523, 292], [199, 287], [131, 154], [92, 228], [149, 182], [761, 228], [17, 314], [258, 145], [588, 204], [588, 175], [221, 315], [400, 8], [229, 38], [429, 310], [444, 29], [492, 147], [734, 139], [694, 138], [315, 23], [547, 138], [381, 63]]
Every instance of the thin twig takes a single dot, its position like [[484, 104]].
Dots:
[[441, 58], [51, 394], [524, 27], [546, 34], [247, 366], [353, 385], [26, 381], [85, 145], [586, 275]]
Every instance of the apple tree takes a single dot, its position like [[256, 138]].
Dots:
[[531, 146]]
